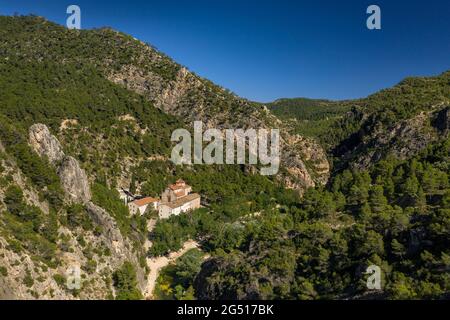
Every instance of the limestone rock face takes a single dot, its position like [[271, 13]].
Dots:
[[193, 99], [121, 248], [101, 217], [183, 94], [74, 180], [306, 162], [44, 143], [402, 140], [75, 183]]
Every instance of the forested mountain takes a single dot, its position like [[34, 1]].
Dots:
[[108, 57], [308, 117], [386, 204], [362, 182]]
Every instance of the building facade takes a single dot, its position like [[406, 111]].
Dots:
[[184, 204], [177, 199], [141, 206]]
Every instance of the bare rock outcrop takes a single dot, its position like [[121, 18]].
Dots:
[[120, 247], [109, 225], [45, 144], [404, 139], [181, 93], [306, 162], [73, 178], [194, 99], [75, 183]]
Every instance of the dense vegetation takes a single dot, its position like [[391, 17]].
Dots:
[[384, 109], [309, 117], [176, 280], [263, 241], [332, 122], [395, 216], [49, 93], [27, 228], [125, 283]]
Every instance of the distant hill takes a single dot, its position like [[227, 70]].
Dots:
[[309, 117], [353, 131], [302, 108]]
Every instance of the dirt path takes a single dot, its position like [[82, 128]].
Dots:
[[156, 264]]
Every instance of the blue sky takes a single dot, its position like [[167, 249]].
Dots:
[[264, 50]]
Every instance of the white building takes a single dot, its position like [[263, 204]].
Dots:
[[142, 205], [184, 204], [176, 199]]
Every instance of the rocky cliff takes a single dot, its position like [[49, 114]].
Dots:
[[165, 84], [402, 140], [193, 98], [98, 252], [73, 179]]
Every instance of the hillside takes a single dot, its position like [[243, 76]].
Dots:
[[398, 121], [83, 113], [386, 204], [106, 56], [308, 117], [116, 137]]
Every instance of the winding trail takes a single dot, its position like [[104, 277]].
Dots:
[[156, 264]]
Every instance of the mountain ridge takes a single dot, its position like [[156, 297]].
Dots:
[[165, 84], [94, 109]]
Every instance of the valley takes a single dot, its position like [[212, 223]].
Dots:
[[156, 264], [84, 113]]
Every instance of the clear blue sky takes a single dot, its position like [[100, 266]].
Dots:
[[264, 50]]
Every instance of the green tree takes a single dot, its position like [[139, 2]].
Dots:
[[14, 199], [397, 248], [187, 267], [378, 201], [126, 284]]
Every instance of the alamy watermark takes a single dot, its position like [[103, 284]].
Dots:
[[374, 280], [237, 144], [74, 20], [255, 141], [374, 20], [73, 277]]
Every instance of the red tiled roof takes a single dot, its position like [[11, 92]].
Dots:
[[144, 201], [180, 184], [179, 193]]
